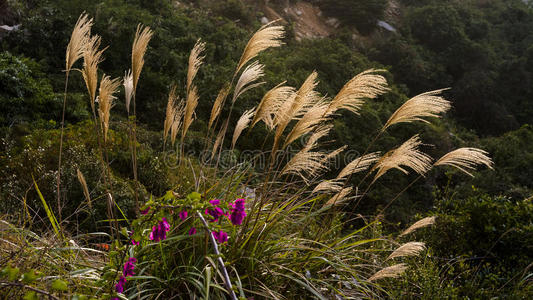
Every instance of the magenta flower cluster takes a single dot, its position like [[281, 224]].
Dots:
[[237, 212], [127, 271], [159, 231]]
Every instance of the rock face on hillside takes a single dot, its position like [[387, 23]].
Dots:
[[307, 19]]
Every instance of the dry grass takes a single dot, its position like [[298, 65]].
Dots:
[[170, 112], [128, 88], [243, 122], [143, 35], [84, 187], [253, 72], [91, 58], [359, 164], [465, 159], [108, 87], [195, 61], [266, 37], [389, 272], [218, 104], [190, 106], [365, 85], [340, 197], [306, 163], [419, 224], [78, 40], [312, 118], [407, 155], [270, 104], [425, 105], [408, 249]]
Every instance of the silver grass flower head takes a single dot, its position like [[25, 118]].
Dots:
[[465, 159], [389, 272], [128, 88], [419, 224], [267, 36], [78, 40], [425, 105], [408, 249], [407, 155]]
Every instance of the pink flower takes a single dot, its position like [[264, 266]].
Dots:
[[159, 231], [183, 215], [215, 202], [216, 213], [192, 231], [237, 213], [220, 236], [119, 287], [129, 267], [134, 243]]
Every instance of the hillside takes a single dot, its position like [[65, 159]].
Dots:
[[266, 149]]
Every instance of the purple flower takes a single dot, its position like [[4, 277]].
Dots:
[[159, 231], [129, 267], [215, 202], [216, 213], [237, 213], [134, 243], [192, 231], [183, 215], [220, 236], [144, 212], [120, 284]]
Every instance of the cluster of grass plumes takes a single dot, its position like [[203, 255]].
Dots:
[[277, 232]]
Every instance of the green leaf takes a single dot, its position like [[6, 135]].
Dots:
[[29, 276], [31, 295], [10, 272], [49, 212], [59, 285]]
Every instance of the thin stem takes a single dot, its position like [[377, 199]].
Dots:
[[50, 296], [227, 281], [61, 147], [133, 141]]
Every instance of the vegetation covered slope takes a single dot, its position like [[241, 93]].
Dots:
[[478, 48]]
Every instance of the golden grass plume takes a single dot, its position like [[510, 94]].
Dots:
[[190, 106], [389, 272], [340, 197], [270, 104], [195, 61], [218, 104], [408, 249], [429, 104], [365, 85], [170, 112], [266, 37], [78, 40], [253, 72], [138, 49], [91, 58], [419, 224], [243, 122], [108, 87], [407, 155], [84, 187], [465, 159], [313, 117], [359, 164]]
